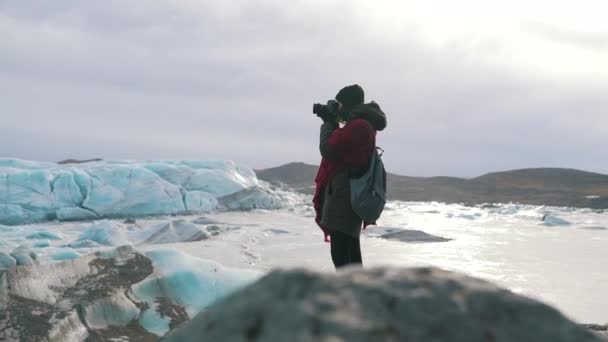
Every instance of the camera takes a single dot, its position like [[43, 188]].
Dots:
[[331, 108]]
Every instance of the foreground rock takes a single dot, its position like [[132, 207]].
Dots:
[[379, 305]]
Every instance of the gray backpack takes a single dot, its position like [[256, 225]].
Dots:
[[368, 192]]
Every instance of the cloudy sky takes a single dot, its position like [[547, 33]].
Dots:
[[469, 86]]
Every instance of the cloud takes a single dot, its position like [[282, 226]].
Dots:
[[595, 40], [192, 79]]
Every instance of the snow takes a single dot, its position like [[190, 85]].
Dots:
[[35, 192]]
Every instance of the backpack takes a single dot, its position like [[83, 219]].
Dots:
[[368, 192]]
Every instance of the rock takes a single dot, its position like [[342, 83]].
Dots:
[[71, 300], [78, 161], [130, 220], [413, 236], [382, 304]]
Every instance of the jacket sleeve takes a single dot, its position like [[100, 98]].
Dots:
[[327, 128]]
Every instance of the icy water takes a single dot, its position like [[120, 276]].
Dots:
[[561, 260]]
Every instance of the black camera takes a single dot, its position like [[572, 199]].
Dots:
[[331, 108]]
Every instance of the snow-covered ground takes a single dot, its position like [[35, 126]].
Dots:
[[558, 255], [561, 264]]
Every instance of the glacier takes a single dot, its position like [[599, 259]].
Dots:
[[40, 191]]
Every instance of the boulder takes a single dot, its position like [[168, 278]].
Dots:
[[381, 304]]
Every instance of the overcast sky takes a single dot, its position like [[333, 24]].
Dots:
[[469, 86]]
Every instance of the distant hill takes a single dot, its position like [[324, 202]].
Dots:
[[539, 186], [298, 176]]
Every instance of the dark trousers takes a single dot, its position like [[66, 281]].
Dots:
[[345, 250]]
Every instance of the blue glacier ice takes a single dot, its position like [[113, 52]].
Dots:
[[191, 282], [39, 191], [65, 254]]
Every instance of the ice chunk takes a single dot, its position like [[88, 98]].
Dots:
[[550, 220], [7, 261], [106, 233], [42, 244], [191, 282], [115, 310], [152, 321], [65, 254], [24, 256], [176, 231], [44, 236]]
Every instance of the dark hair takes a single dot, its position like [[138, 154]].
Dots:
[[351, 96]]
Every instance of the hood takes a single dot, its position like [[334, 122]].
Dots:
[[372, 113]]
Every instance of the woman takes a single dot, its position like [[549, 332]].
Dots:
[[346, 152]]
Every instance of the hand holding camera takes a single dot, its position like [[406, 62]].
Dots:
[[328, 112]]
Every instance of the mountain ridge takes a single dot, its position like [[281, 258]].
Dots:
[[538, 186]]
